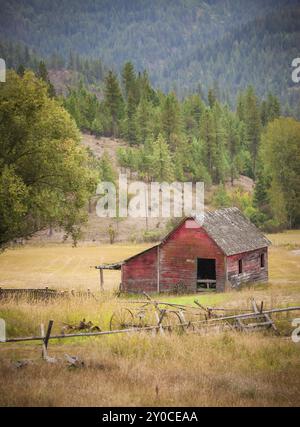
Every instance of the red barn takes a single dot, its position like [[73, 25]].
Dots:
[[222, 252]]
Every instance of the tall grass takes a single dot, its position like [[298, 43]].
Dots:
[[224, 369]]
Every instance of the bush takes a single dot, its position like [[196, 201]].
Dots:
[[152, 235]]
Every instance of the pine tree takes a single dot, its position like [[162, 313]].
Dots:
[[171, 120], [144, 120], [208, 133], [232, 132], [192, 110], [130, 83], [212, 98], [161, 164], [21, 70], [130, 127], [253, 125], [107, 172], [42, 73], [113, 101]]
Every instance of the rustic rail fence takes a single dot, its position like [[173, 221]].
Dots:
[[45, 338], [258, 317]]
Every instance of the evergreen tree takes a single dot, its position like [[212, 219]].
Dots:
[[211, 97], [130, 83], [130, 126], [192, 110], [252, 120], [144, 120], [42, 73], [232, 132], [161, 161], [107, 172], [171, 120], [113, 101], [21, 70]]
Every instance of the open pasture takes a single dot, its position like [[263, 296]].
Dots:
[[227, 368]]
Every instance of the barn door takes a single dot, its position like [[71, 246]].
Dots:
[[206, 273]]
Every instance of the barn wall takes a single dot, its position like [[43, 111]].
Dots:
[[140, 273], [252, 272], [178, 257]]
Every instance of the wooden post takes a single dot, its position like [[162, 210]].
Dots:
[[101, 279], [261, 306], [45, 342], [50, 324], [44, 348], [158, 270]]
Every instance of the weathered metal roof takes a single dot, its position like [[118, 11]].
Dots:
[[232, 231]]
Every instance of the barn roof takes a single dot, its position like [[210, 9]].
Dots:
[[232, 231]]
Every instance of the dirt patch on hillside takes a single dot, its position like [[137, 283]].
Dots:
[[102, 144], [126, 229]]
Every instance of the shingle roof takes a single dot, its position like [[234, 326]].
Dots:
[[232, 231]]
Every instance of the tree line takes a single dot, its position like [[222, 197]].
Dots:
[[232, 43], [47, 178], [197, 138]]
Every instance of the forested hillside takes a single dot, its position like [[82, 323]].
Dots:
[[199, 140], [197, 91], [184, 44]]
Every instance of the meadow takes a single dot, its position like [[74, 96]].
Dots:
[[228, 368]]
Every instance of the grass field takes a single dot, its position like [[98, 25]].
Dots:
[[218, 369]]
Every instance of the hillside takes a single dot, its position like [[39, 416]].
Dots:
[[230, 43], [127, 229]]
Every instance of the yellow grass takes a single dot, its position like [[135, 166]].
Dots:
[[62, 266], [226, 369], [217, 369]]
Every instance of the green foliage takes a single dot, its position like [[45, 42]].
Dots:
[[221, 198], [45, 177], [170, 120], [280, 154], [42, 73], [233, 43], [106, 171], [152, 235], [85, 109], [161, 162], [113, 102]]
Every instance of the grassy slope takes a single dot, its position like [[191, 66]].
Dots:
[[127, 229]]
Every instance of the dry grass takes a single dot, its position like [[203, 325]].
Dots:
[[227, 369], [219, 369], [62, 266]]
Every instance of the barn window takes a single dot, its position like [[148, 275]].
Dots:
[[240, 266], [262, 260]]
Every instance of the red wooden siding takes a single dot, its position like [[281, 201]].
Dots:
[[178, 257], [140, 273], [252, 271]]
